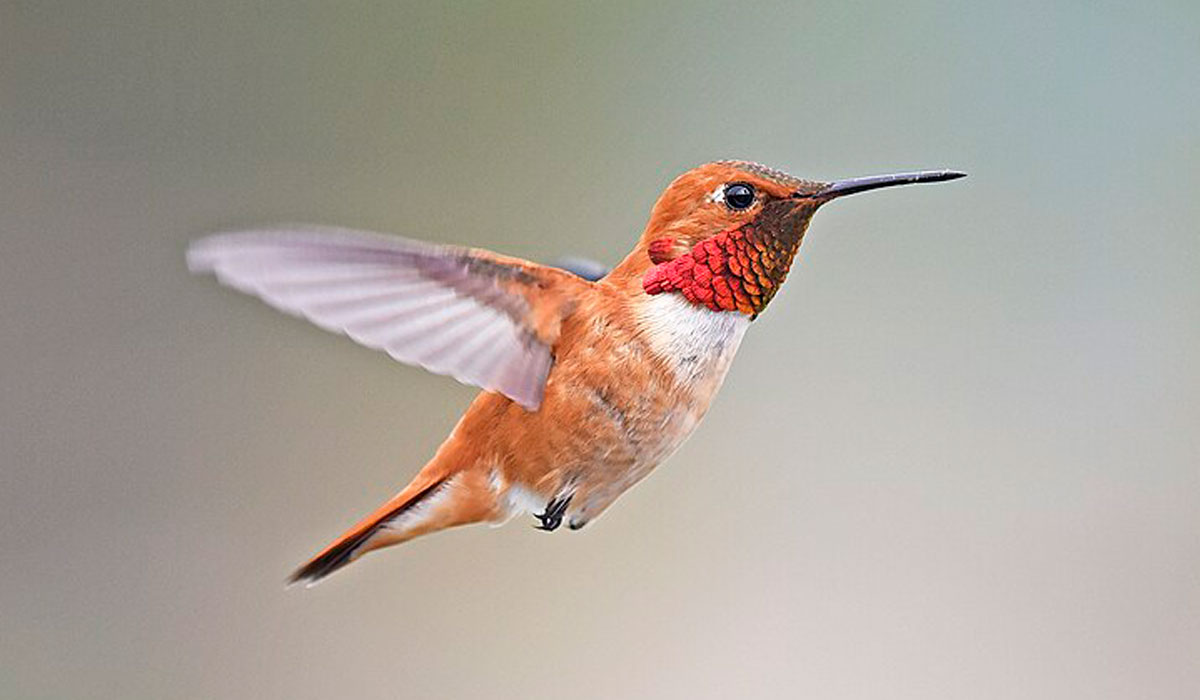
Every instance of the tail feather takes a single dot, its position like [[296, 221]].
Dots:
[[351, 545]]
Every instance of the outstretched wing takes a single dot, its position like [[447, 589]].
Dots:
[[476, 316]]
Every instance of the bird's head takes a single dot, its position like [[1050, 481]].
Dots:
[[724, 234]]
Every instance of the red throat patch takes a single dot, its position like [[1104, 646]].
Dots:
[[735, 270]]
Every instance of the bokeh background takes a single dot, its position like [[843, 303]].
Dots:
[[957, 457]]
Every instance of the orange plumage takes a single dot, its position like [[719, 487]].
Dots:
[[588, 385]]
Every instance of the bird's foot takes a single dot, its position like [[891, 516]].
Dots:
[[553, 515]]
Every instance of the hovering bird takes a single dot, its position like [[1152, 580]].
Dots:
[[587, 385]]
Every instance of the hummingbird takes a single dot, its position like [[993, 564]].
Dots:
[[588, 384]]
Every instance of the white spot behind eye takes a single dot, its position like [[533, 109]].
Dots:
[[717, 196]]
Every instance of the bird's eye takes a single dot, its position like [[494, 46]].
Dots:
[[739, 195]]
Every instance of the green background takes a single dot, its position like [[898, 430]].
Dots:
[[958, 457]]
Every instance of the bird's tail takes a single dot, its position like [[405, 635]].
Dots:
[[427, 504]]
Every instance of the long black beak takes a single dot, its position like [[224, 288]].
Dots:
[[855, 185]]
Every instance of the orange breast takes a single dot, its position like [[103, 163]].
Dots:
[[631, 380]]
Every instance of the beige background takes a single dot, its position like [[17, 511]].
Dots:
[[957, 457]]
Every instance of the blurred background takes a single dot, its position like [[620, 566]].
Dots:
[[957, 457]]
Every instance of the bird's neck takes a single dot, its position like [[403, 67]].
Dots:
[[738, 270], [628, 274]]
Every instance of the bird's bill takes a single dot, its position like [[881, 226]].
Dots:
[[855, 185]]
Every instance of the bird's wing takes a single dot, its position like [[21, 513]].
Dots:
[[481, 318]]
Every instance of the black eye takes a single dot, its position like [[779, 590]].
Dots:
[[739, 195]]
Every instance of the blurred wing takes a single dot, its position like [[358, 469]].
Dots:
[[478, 317]]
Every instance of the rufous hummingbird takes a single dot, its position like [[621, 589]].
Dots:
[[588, 385]]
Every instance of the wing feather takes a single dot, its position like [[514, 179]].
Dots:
[[470, 314]]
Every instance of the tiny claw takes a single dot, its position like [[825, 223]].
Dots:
[[553, 515]]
